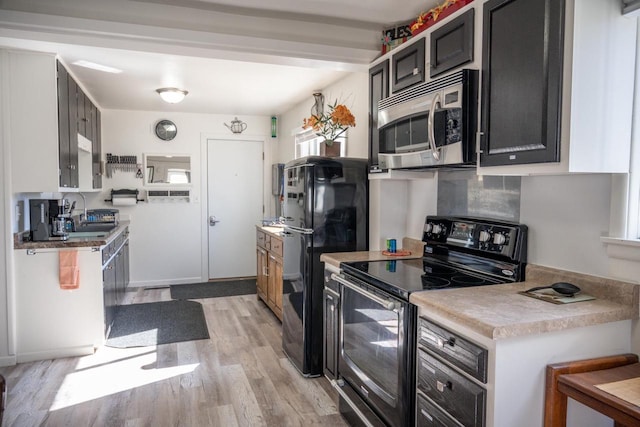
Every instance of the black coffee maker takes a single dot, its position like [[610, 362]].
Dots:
[[47, 220]]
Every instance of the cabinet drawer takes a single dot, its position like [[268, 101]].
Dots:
[[260, 238], [461, 352], [276, 246], [458, 396], [429, 415]]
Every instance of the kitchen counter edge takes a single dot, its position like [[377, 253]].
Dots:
[[274, 231], [75, 242], [412, 245], [499, 311]]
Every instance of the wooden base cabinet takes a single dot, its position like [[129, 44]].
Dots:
[[269, 270]]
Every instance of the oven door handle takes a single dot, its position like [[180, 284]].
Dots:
[[388, 304]]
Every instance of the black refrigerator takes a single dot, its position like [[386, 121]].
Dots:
[[325, 210]]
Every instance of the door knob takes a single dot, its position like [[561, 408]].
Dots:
[[213, 221]]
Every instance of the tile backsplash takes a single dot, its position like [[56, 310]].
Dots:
[[462, 192]]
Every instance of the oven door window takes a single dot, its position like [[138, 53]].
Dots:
[[371, 343]]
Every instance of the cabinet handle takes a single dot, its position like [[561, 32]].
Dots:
[[441, 386], [451, 341]]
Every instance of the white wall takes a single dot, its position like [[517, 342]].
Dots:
[[566, 216], [166, 237], [353, 91], [6, 239]]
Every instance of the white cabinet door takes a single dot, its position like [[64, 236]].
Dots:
[[51, 322]]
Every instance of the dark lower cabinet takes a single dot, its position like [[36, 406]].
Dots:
[[331, 296], [521, 81], [109, 294], [115, 276]]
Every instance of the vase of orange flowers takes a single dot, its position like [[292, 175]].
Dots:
[[332, 124]]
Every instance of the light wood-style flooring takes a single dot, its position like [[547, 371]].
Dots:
[[238, 377]]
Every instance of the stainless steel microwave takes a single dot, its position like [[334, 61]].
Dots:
[[430, 125]]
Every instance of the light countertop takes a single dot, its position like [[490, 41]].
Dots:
[[75, 242], [499, 311], [273, 230], [412, 245]]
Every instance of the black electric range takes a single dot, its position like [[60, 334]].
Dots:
[[459, 252]]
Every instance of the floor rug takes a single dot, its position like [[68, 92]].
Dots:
[[213, 289], [141, 325]]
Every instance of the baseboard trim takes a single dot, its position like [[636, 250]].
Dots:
[[8, 361], [165, 282], [57, 353]]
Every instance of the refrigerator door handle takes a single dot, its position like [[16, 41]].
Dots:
[[298, 229]]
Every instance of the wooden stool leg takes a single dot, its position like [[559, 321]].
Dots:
[[555, 402]]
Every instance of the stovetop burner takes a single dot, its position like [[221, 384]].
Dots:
[[402, 277]]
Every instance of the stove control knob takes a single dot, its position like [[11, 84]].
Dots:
[[485, 236], [428, 227], [437, 229], [499, 239]]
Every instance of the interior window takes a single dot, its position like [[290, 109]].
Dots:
[[307, 143]]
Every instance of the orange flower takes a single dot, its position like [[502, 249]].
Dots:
[[331, 125], [311, 122], [342, 116]]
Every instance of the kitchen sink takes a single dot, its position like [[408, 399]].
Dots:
[[81, 234], [92, 228]]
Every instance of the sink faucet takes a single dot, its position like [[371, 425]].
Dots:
[[84, 205]]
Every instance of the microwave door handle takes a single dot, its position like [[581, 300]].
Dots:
[[432, 135]]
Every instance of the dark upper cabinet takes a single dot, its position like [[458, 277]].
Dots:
[[76, 115], [63, 126], [521, 81], [81, 112], [96, 153], [452, 44], [378, 89], [67, 139], [408, 66], [89, 118]]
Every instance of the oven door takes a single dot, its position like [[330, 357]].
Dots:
[[376, 350]]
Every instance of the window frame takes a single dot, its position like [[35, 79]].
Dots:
[[307, 143]]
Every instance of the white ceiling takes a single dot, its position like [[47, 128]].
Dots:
[[244, 57]]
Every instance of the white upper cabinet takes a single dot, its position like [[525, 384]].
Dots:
[[31, 118], [585, 130], [41, 122]]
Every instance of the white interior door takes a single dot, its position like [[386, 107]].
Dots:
[[235, 182]]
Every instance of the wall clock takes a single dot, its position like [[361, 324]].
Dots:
[[166, 130]]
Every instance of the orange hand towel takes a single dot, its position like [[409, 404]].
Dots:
[[69, 272]]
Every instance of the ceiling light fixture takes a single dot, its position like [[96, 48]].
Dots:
[[172, 95]]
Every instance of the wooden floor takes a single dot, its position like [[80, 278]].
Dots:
[[238, 377]]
